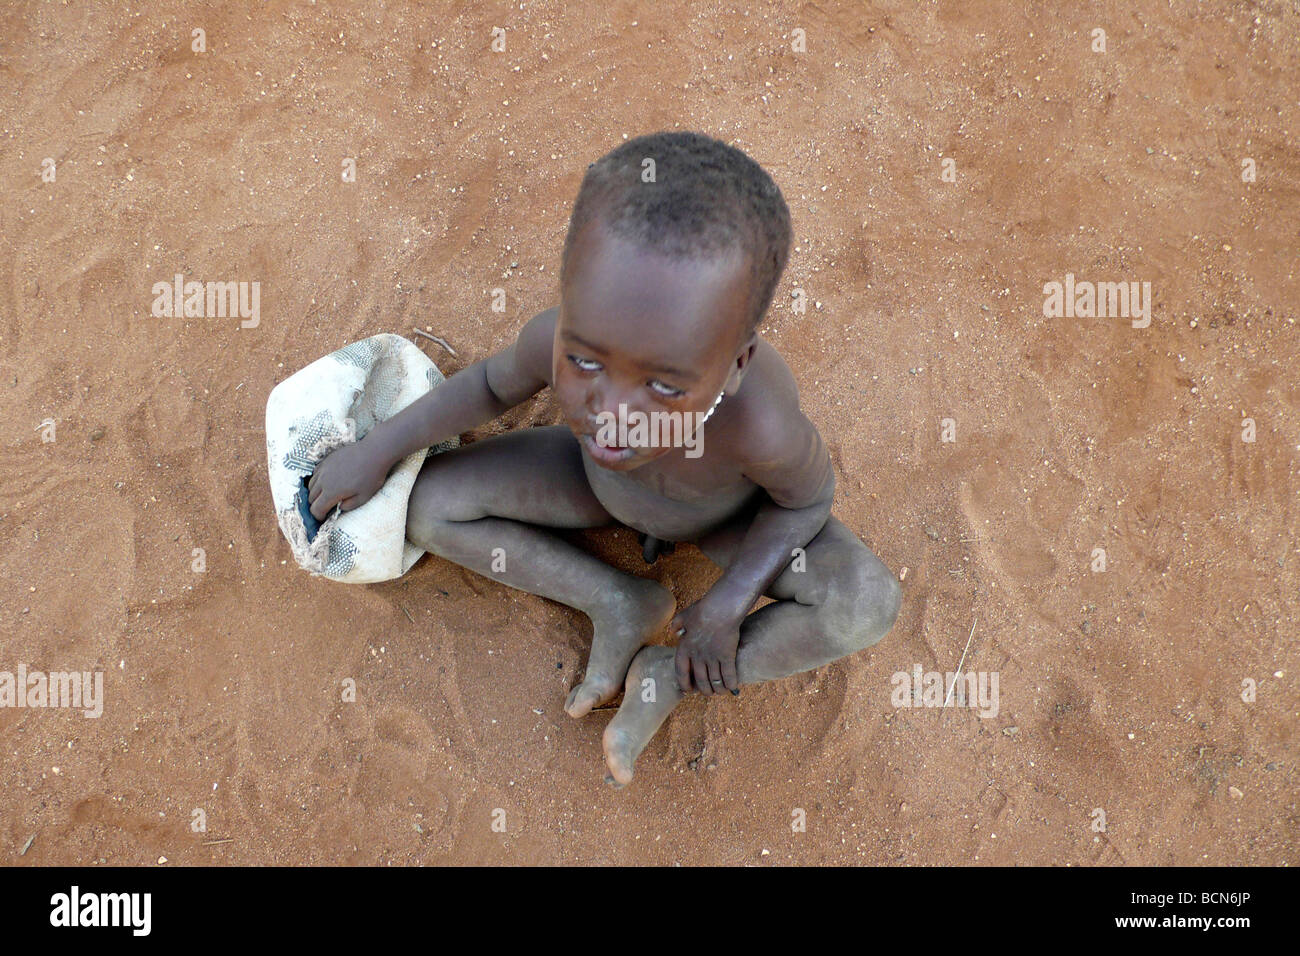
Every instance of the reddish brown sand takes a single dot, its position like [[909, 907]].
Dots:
[[1119, 690]]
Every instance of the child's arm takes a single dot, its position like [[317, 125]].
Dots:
[[350, 476], [788, 459]]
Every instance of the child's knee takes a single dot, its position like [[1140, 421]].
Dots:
[[421, 528], [862, 603], [428, 510]]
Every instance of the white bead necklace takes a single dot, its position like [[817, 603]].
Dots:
[[716, 402]]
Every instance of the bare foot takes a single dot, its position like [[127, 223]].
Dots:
[[629, 619], [649, 696]]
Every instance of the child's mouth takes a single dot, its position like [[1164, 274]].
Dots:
[[606, 454]]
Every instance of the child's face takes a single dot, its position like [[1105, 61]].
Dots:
[[646, 332]]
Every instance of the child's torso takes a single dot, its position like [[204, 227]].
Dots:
[[672, 498]]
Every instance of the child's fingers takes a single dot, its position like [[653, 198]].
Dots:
[[701, 677], [317, 480], [730, 679], [715, 677], [682, 663], [325, 503]]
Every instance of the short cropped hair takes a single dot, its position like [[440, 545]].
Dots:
[[707, 198]]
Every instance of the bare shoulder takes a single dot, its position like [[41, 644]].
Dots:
[[770, 438], [537, 343], [767, 406], [523, 368]]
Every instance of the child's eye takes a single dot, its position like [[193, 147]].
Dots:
[[666, 390], [587, 365]]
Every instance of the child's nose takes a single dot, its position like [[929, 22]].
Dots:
[[607, 397]]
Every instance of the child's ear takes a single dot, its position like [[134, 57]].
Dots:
[[740, 364]]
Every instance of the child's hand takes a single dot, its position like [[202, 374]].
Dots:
[[347, 476], [707, 651]]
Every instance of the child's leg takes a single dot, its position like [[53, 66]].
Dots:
[[845, 600], [481, 505]]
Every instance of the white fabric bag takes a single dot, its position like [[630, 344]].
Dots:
[[335, 401]]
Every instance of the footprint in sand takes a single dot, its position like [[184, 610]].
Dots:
[[1009, 542]]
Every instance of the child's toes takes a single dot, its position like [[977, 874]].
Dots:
[[619, 758], [582, 699], [573, 707]]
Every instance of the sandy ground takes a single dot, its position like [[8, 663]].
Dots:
[[1120, 691]]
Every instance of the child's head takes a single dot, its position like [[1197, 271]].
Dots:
[[675, 247]]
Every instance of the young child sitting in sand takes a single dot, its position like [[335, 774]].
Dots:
[[663, 283]]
